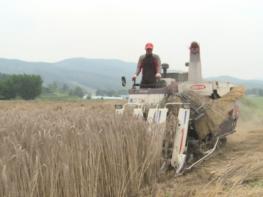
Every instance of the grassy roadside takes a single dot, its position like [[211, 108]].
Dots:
[[251, 108]]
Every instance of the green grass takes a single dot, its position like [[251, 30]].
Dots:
[[253, 102], [255, 183], [251, 107], [258, 101]]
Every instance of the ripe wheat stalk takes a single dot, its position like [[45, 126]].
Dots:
[[75, 150]]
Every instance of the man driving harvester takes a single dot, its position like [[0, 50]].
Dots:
[[150, 65]]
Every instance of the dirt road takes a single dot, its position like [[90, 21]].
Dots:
[[235, 170]]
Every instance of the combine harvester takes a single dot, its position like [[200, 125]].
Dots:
[[197, 114]]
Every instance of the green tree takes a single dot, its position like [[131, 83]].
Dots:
[[30, 86], [77, 91], [27, 86], [7, 89], [65, 88], [53, 86]]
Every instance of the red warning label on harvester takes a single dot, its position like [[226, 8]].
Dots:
[[198, 87]]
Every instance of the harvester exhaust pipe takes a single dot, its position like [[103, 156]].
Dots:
[[195, 68]]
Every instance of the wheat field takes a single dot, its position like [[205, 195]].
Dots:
[[74, 149], [82, 149]]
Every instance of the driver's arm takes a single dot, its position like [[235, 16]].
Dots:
[[139, 66], [158, 64], [157, 67], [138, 69]]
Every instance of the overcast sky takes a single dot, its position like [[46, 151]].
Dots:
[[229, 31]]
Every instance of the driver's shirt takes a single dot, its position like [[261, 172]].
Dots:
[[149, 64]]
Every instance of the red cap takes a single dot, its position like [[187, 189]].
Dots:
[[149, 46]]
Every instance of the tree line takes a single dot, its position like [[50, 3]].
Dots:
[[255, 91], [28, 87], [24, 86], [57, 89]]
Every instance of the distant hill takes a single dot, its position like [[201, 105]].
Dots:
[[90, 74]]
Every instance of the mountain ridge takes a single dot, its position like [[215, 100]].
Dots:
[[91, 73]]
